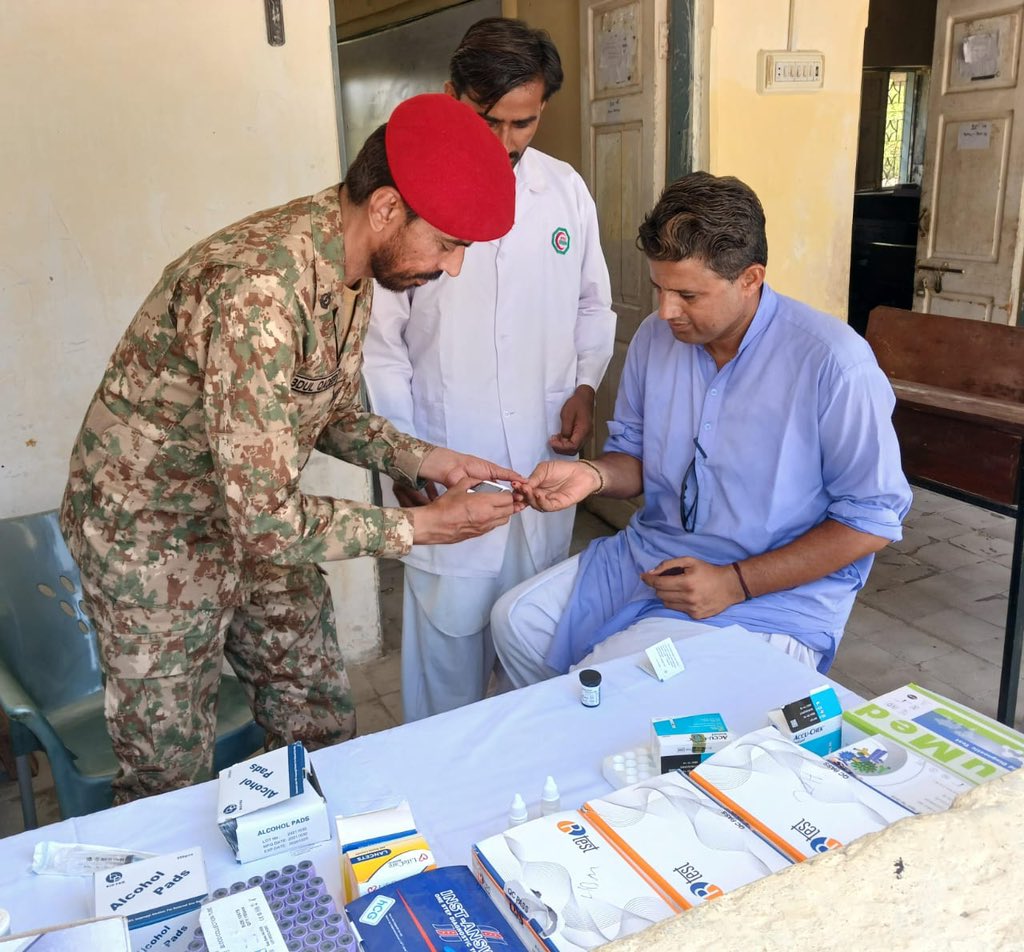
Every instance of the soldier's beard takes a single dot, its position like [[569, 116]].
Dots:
[[384, 265]]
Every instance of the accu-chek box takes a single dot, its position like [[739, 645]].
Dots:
[[272, 803], [681, 743], [814, 722], [160, 898]]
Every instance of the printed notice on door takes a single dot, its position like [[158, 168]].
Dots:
[[974, 135]]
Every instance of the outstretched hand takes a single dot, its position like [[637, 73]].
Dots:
[[459, 514], [559, 484], [450, 468]]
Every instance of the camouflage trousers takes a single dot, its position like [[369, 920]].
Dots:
[[163, 666]]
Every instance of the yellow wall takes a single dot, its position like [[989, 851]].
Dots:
[[797, 151]]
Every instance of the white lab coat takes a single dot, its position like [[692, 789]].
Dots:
[[483, 363]]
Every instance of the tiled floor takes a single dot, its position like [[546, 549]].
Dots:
[[933, 612]]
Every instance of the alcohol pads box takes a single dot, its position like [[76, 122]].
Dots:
[[379, 848], [919, 784], [564, 887], [680, 743], [159, 897], [440, 909], [110, 935], [271, 804], [797, 801], [814, 722]]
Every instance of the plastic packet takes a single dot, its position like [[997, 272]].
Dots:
[[79, 859]]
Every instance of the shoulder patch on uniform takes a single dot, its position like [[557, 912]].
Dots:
[[314, 385]]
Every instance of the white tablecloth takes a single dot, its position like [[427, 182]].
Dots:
[[458, 770]]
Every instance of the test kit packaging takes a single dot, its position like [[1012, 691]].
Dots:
[[814, 722], [680, 743], [684, 842], [440, 909], [920, 785], [110, 935], [564, 887], [379, 848], [271, 804], [800, 803], [159, 897]]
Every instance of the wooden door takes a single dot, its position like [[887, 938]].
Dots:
[[969, 248], [624, 46]]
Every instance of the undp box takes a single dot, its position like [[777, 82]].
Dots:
[[271, 804], [159, 897]]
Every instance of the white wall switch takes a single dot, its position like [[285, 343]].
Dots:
[[787, 71]]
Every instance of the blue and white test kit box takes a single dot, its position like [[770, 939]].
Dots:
[[271, 804], [814, 722], [160, 898]]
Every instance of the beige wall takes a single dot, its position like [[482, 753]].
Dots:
[[798, 151], [132, 130]]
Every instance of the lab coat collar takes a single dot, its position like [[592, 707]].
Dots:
[[530, 172]]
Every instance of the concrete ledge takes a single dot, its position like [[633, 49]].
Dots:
[[950, 880]]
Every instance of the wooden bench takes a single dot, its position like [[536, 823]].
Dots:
[[959, 417]]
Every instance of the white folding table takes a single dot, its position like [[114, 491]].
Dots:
[[459, 770]]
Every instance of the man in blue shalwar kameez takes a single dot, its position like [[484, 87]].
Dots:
[[759, 431]]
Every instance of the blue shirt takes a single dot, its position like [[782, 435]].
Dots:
[[795, 429]]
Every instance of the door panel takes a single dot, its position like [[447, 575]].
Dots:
[[624, 55], [968, 253]]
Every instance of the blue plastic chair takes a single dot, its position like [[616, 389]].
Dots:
[[50, 681]]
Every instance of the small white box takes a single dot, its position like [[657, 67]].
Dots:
[[814, 722], [681, 743], [271, 804], [110, 935], [159, 897]]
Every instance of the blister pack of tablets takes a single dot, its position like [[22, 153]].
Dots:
[[302, 907], [620, 770]]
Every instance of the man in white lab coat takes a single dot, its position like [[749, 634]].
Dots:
[[503, 362]]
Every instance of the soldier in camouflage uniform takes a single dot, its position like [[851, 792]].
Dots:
[[183, 506]]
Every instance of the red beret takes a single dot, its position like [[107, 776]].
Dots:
[[450, 168]]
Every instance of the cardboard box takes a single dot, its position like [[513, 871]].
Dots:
[[564, 887], [800, 803], [379, 848], [974, 747], [683, 840], [814, 722], [919, 784], [439, 909], [159, 897], [272, 804], [680, 743], [108, 935]]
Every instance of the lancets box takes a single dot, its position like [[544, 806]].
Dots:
[[271, 804], [159, 897]]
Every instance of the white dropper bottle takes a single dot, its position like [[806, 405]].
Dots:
[[550, 800], [517, 812]]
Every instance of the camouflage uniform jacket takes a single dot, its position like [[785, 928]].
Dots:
[[187, 465]]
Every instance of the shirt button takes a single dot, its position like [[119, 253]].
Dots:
[[714, 392], [325, 300], [707, 426]]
